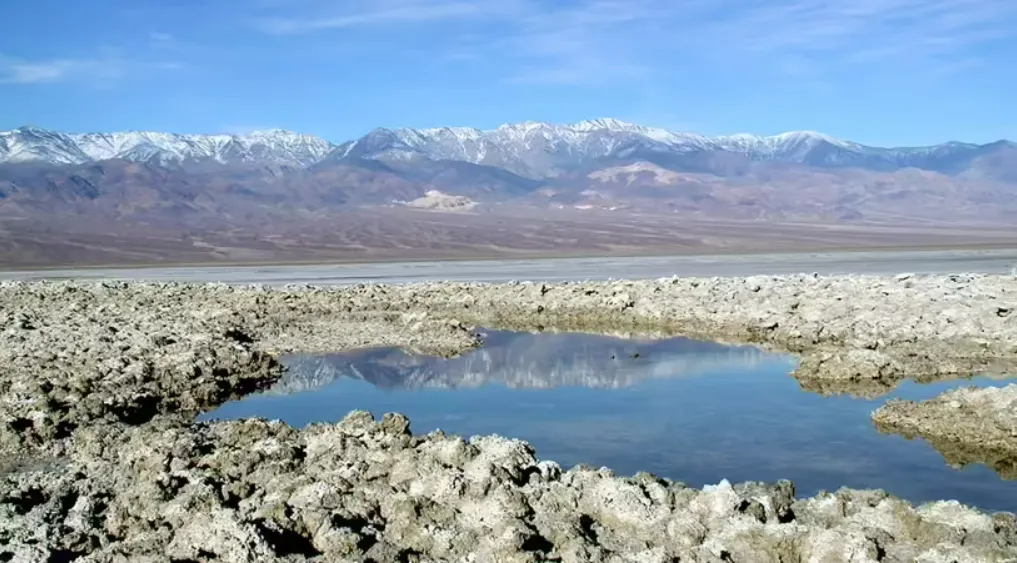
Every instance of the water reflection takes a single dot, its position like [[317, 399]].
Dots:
[[692, 411], [525, 360], [865, 388]]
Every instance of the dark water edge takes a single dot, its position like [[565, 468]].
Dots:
[[696, 412]]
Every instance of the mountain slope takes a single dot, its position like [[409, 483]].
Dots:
[[477, 181], [767, 190], [121, 187], [29, 144], [598, 165]]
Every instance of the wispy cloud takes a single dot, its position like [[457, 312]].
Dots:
[[380, 12], [101, 71], [545, 42], [20, 71], [868, 30], [593, 41], [159, 37], [590, 43]]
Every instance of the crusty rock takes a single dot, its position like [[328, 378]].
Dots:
[[100, 460], [363, 489], [848, 328], [966, 425], [117, 353]]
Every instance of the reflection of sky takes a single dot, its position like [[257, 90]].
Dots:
[[524, 360], [737, 420]]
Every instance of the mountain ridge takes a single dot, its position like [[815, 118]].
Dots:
[[532, 149], [240, 182], [278, 146]]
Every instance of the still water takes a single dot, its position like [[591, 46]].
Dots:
[[692, 411]]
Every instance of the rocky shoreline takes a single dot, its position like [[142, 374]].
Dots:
[[100, 459], [966, 425], [363, 490]]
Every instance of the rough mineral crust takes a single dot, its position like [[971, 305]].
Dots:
[[77, 355], [966, 425], [363, 490], [100, 460], [123, 353]]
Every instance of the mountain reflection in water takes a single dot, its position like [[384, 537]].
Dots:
[[523, 360], [692, 411]]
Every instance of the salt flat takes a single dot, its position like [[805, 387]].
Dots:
[[102, 383], [994, 261]]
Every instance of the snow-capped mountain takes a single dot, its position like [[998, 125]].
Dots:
[[29, 144], [534, 150], [542, 150], [526, 185]]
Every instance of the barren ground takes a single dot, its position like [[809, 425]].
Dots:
[[100, 460], [400, 234]]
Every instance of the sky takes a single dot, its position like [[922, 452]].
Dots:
[[881, 72]]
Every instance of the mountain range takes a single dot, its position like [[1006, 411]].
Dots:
[[244, 184], [535, 150]]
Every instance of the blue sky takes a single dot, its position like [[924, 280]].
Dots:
[[887, 72]]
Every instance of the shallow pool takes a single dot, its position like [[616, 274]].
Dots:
[[692, 411]]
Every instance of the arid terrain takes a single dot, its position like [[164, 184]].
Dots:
[[404, 234], [535, 189], [523, 281], [100, 458]]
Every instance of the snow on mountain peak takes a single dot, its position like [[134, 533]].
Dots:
[[521, 127], [276, 146], [273, 132], [605, 123], [792, 144], [809, 136], [30, 129], [30, 144], [457, 131], [609, 124], [534, 149]]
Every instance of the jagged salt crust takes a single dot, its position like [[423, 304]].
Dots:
[[99, 459], [364, 490], [966, 425]]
